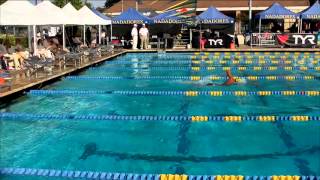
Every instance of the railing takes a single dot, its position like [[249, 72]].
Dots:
[[297, 40], [263, 39]]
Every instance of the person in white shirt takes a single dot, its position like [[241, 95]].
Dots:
[[134, 35], [103, 37], [144, 35]]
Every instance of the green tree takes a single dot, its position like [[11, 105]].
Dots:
[[2, 1], [77, 3], [110, 3], [59, 3]]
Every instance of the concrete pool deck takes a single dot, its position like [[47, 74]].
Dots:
[[21, 83]]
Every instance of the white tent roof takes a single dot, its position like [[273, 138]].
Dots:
[[90, 18], [18, 12], [50, 14], [72, 14], [23, 12]]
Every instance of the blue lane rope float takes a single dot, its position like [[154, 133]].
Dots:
[[210, 62], [70, 174], [46, 117], [176, 93], [193, 78], [213, 68]]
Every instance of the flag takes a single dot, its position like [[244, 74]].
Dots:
[[183, 4], [185, 9]]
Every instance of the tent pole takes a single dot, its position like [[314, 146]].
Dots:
[[29, 38], [200, 38], [259, 25], [111, 34], [190, 34], [63, 37], [259, 31], [300, 25], [14, 30], [34, 41], [84, 35], [250, 16], [99, 34]]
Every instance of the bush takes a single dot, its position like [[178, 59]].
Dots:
[[11, 40], [7, 40]]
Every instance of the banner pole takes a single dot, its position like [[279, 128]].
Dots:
[[259, 32], [84, 35]]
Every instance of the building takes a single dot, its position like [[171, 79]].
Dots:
[[234, 8]]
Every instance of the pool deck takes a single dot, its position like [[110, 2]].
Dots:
[[22, 83], [241, 49]]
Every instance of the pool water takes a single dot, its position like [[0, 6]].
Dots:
[[246, 148]]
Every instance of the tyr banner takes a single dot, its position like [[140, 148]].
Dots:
[[297, 40]]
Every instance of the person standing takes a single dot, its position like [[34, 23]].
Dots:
[[103, 37], [93, 37], [144, 34], [88, 37], [134, 35]]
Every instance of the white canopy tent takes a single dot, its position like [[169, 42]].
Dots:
[[90, 18], [72, 14], [18, 12], [23, 12], [52, 15]]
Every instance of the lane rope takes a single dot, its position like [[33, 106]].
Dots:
[[194, 78], [70, 174], [264, 118], [213, 68], [176, 93], [201, 62]]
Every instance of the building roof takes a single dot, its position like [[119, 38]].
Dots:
[[160, 5]]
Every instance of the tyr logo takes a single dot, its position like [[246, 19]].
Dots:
[[303, 39], [215, 42]]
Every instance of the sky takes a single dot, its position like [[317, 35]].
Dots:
[[97, 3]]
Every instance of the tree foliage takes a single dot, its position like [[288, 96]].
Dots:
[[110, 3], [2, 1], [76, 3], [59, 3]]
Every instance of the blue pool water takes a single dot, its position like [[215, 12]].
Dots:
[[247, 148]]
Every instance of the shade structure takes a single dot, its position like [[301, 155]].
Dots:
[[169, 17], [18, 12], [213, 16], [72, 15], [50, 14], [131, 16], [277, 11], [101, 15], [313, 12], [90, 18]]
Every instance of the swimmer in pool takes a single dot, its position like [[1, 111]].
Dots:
[[230, 80]]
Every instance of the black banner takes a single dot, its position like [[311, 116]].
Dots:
[[297, 40]]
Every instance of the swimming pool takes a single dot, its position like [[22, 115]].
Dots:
[[64, 126]]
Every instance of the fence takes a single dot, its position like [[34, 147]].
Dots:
[[263, 39]]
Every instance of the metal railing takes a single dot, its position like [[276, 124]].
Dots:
[[263, 39]]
